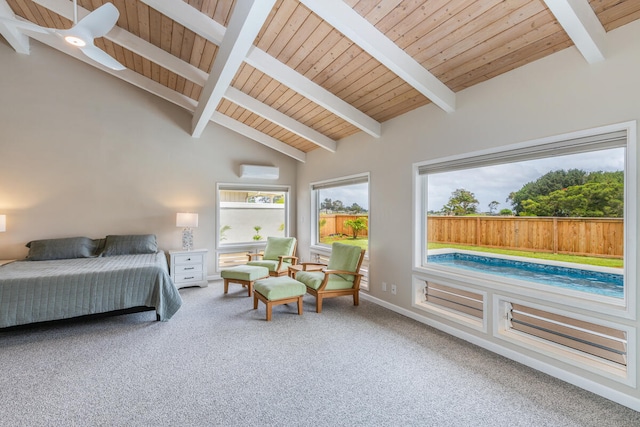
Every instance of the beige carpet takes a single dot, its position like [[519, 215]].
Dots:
[[217, 362]]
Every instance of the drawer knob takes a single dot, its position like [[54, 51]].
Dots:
[[189, 268], [187, 278]]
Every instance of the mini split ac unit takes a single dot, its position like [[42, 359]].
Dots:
[[259, 172]]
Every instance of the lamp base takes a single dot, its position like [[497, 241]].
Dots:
[[187, 239]]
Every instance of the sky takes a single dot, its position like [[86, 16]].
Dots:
[[348, 195], [496, 182]]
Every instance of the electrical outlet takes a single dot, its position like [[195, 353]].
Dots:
[[394, 289], [384, 286]]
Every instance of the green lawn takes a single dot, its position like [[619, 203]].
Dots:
[[361, 242], [602, 262]]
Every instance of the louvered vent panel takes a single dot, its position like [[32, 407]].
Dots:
[[596, 340]]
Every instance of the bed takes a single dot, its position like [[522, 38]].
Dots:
[[65, 278]]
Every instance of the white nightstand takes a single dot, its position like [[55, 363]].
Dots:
[[189, 268]]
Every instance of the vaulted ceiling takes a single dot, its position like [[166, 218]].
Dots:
[[300, 75]]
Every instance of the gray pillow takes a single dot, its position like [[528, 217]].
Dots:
[[65, 248], [130, 244]]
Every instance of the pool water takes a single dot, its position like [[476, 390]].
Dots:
[[596, 282]]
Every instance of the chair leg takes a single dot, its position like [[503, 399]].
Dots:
[[255, 301], [226, 286], [356, 298], [269, 311], [300, 305], [318, 304], [250, 288]]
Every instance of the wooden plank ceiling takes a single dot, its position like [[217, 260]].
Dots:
[[304, 84]]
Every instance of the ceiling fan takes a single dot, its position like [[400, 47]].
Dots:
[[96, 24]]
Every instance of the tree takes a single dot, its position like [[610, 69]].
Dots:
[[602, 195], [337, 206], [358, 224], [493, 206], [461, 202], [506, 212], [546, 184], [326, 205], [355, 208]]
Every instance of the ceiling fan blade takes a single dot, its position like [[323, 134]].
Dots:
[[25, 25], [102, 57], [99, 22]]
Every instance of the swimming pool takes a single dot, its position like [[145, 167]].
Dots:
[[595, 282]]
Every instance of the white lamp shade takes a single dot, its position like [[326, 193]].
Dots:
[[189, 220], [3, 223]]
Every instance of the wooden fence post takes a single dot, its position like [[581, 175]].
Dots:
[[555, 235]]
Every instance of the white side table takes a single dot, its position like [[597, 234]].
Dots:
[[189, 268]]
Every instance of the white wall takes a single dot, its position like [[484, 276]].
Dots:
[[85, 154], [555, 95]]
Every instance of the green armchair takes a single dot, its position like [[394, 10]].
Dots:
[[278, 255], [341, 276]]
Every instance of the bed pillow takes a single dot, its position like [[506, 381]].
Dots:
[[65, 248], [130, 244]]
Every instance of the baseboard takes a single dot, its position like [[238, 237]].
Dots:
[[554, 371]]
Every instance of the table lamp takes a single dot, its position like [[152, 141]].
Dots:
[[188, 221]]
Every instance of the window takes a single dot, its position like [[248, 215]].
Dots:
[[554, 215], [340, 213], [247, 215]]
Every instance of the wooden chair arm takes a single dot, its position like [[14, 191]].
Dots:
[[327, 273], [294, 259], [315, 266], [251, 256], [281, 258]]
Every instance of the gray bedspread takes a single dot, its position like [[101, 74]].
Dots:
[[36, 291]]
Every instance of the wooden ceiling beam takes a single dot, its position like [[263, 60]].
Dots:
[[360, 31], [201, 24], [250, 103], [583, 27], [258, 136], [247, 19]]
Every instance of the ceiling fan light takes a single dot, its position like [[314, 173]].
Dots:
[[76, 41]]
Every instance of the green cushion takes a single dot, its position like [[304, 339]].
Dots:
[[245, 272], [344, 257], [279, 246], [267, 263], [313, 279], [276, 288]]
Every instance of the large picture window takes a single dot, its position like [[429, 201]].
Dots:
[[555, 215]]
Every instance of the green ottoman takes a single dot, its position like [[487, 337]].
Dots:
[[244, 275], [278, 290]]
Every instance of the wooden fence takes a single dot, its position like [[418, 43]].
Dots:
[[331, 224], [602, 237]]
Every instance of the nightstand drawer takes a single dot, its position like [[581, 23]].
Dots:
[[189, 277], [189, 259], [188, 268]]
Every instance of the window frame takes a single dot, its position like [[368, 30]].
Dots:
[[625, 307]]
